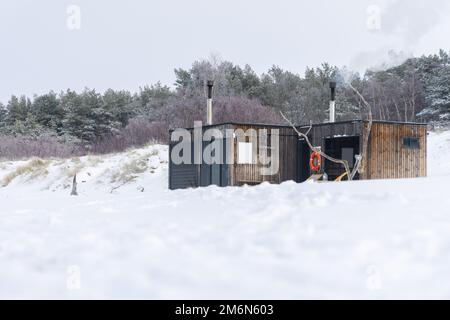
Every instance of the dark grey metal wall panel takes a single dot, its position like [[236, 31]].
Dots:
[[215, 174], [205, 169], [320, 132], [224, 179], [205, 175], [182, 176]]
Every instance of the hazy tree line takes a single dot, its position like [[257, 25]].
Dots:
[[72, 122]]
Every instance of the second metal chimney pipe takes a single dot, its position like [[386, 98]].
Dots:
[[209, 110], [333, 102]]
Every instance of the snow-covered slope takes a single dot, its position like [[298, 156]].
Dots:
[[439, 154], [140, 169], [127, 236]]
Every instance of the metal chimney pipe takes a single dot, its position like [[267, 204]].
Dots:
[[209, 110], [333, 102]]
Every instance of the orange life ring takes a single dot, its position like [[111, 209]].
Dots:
[[315, 161]]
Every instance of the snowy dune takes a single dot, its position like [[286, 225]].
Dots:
[[127, 236]]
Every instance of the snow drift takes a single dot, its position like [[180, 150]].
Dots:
[[127, 236]]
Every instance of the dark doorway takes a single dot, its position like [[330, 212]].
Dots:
[[303, 154], [345, 148]]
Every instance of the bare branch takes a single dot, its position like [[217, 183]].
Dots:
[[318, 149], [364, 150], [122, 184]]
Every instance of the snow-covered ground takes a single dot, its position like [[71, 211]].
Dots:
[[127, 236]]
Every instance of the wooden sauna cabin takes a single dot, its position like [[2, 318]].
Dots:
[[395, 150]]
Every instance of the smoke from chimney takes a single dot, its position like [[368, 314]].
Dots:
[[209, 110]]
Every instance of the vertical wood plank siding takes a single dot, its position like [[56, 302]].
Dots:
[[388, 158], [251, 173]]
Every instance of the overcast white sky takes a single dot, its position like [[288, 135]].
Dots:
[[127, 44]]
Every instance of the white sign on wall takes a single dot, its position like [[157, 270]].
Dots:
[[245, 153]]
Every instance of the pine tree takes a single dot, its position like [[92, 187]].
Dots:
[[28, 127], [86, 116], [100, 118], [48, 111], [152, 99], [437, 96], [3, 115], [18, 109], [120, 105], [78, 120]]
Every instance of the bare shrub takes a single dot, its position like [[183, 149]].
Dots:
[[238, 109], [139, 132], [20, 147], [183, 113]]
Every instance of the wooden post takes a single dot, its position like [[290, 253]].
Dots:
[[74, 186]]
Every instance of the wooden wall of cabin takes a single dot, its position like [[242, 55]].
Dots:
[[388, 158], [250, 174]]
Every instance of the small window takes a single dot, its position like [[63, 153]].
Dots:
[[411, 143], [245, 153], [348, 154]]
